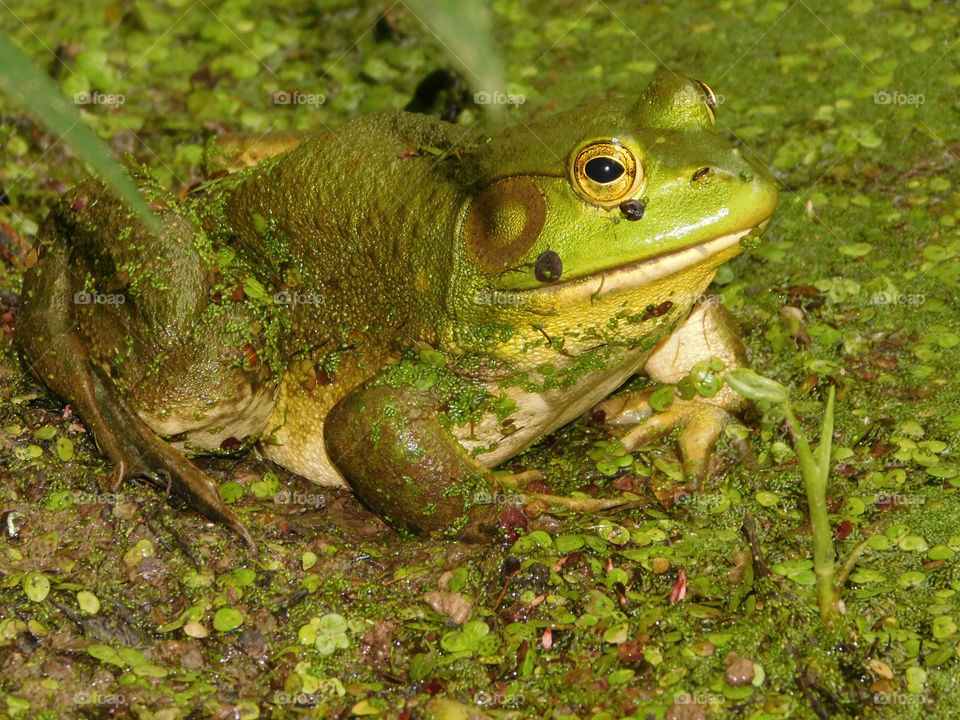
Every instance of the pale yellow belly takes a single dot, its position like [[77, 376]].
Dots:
[[298, 444], [295, 432], [539, 414]]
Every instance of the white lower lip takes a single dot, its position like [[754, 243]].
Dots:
[[645, 272]]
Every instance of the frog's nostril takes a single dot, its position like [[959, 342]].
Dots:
[[548, 267], [633, 209], [700, 174]]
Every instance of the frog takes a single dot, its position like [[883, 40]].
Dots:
[[400, 305]]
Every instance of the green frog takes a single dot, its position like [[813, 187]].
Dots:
[[399, 305]]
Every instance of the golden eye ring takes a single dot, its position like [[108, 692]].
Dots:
[[607, 172]]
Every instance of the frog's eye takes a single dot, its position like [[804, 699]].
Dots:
[[710, 99], [606, 173]]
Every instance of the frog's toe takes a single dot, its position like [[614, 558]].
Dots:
[[635, 410], [701, 423], [651, 430], [201, 491], [624, 409]]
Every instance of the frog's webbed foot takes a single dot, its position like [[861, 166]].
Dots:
[[701, 423], [705, 337]]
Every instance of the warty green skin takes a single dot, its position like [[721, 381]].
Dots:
[[366, 227]]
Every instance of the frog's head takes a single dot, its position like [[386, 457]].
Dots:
[[602, 224]]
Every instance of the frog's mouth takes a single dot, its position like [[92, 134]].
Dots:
[[648, 271]]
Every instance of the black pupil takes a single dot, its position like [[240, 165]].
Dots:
[[603, 170]]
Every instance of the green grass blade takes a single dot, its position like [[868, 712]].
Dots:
[[35, 93]]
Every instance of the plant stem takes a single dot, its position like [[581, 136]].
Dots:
[[826, 437], [851, 560], [815, 481]]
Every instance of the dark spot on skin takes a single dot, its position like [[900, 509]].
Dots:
[[204, 77], [548, 267], [230, 444], [701, 173], [632, 209], [655, 311]]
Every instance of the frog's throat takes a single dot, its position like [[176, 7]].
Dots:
[[647, 272]]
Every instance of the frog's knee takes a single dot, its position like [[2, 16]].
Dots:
[[404, 465]]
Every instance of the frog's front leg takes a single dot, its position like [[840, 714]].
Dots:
[[707, 333], [405, 466]]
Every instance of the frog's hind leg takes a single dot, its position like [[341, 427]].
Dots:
[[57, 353]]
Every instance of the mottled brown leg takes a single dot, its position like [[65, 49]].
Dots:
[[56, 355]]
